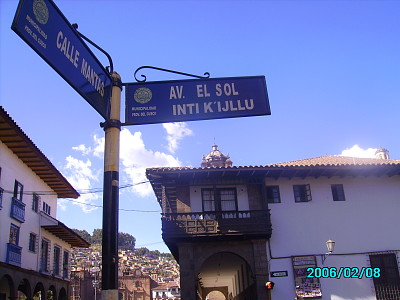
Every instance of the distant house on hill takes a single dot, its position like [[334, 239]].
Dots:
[[135, 285], [170, 290]]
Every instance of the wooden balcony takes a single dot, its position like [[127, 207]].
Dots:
[[227, 224], [17, 210], [13, 254]]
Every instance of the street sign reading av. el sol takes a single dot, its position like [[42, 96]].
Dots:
[[197, 99], [46, 30]]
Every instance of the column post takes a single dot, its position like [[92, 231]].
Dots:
[[112, 128]]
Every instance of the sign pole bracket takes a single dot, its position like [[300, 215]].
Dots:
[[75, 26], [206, 74]]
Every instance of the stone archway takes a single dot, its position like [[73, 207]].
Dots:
[[39, 292], [7, 287], [62, 295], [51, 293], [227, 273], [25, 288]]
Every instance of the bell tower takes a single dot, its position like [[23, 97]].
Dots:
[[216, 159]]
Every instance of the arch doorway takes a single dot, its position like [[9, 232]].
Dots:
[[7, 288], [227, 274], [24, 290], [215, 295]]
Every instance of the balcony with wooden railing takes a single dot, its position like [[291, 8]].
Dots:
[[254, 224], [17, 209], [13, 254]]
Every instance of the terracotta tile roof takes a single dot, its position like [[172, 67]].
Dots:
[[336, 160], [63, 232], [327, 160]]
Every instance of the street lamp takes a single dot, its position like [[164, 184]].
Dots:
[[331, 246]]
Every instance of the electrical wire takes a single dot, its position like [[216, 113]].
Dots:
[[120, 209], [90, 191], [81, 192]]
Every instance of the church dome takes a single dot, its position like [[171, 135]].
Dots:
[[216, 159], [382, 153]]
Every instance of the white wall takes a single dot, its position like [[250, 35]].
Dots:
[[367, 221]]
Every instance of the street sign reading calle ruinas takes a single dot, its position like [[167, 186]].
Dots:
[[196, 99], [46, 30]]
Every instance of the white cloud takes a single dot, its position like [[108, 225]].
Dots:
[[79, 174], [135, 158], [98, 149], [176, 132], [83, 149], [357, 151]]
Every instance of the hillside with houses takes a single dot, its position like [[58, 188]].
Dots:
[[143, 274]]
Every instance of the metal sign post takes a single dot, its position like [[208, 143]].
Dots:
[[45, 29], [112, 128]]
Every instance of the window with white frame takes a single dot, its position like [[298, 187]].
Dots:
[[219, 199]]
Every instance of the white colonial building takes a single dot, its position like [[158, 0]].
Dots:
[[35, 247], [234, 228]]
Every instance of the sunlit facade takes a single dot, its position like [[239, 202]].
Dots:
[[35, 247], [232, 229]]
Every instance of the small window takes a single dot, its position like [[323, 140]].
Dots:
[[46, 208], [273, 195], [18, 190], [44, 256], [302, 193], [219, 199], [65, 264], [14, 235], [32, 242], [208, 199], [56, 260], [1, 197], [338, 192], [35, 202]]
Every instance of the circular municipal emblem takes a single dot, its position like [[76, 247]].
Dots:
[[41, 11], [143, 95]]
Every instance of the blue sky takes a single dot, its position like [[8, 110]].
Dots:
[[332, 70]]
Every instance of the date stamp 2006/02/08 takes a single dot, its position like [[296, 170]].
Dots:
[[344, 272]]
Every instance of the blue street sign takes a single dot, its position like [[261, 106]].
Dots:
[[43, 27], [197, 99]]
